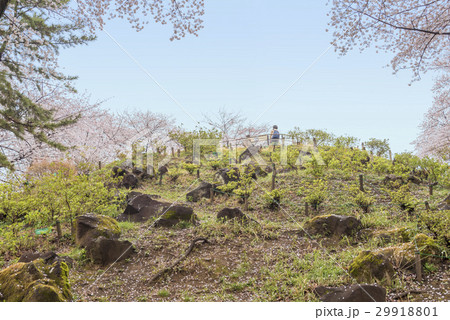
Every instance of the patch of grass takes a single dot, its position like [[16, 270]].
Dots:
[[163, 293]]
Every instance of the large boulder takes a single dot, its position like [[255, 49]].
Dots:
[[353, 293], [230, 214], [333, 225], [105, 251], [227, 175], [91, 226], [35, 282], [202, 191], [371, 267]]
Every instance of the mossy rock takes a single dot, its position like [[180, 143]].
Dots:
[[175, 214], [401, 234], [35, 282], [403, 256], [91, 226], [333, 225], [369, 267]]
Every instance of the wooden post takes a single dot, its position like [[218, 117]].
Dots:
[[246, 203], [274, 175], [390, 155], [72, 229], [178, 151], [100, 165], [160, 179], [362, 146], [418, 267], [427, 206], [211, 194], [430, 189], [282, 140], [58, 229], [361, 183], [198, 173], [173, 152], [315, 142], [306, 209]]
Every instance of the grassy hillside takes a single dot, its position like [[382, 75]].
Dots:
[[269, 258]]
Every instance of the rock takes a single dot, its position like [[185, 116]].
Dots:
[[227, 175], [174, 215], [134, 194], [91, 226], [229, 214], [248, 153], [255, 170], [48, 258], [403, 256], [402, 234], [163, 170], [333, 225], [105, 251], [202, 191], [353, 293], [414, 179], [129, 181], [369, 266], [119, 172], [142, 207], [35, 282]]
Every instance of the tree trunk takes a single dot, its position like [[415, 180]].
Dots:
[[3, 6]]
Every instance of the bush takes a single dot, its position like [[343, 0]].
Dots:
[[315, 193], [364, 201], [190, 167], [438, 223], [273, 198], [402, 196]]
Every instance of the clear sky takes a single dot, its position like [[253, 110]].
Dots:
[[248, 53]]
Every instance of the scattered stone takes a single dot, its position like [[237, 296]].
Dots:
[[35, 282], [333, 225], [91, 226], [369, 266], [130, 181], [48, 258], [231, 213], [105, 251], [202, 191], [353, 293]]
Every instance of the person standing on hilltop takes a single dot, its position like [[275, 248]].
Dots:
[[274, 137]]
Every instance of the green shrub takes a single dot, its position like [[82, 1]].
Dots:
[[190, 167], [273, 198], [402, 196], [438, 223], [315, 193]]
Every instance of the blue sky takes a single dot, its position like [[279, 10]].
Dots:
[[248, 53]]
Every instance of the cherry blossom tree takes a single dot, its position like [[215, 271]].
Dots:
[[417, 33], [233, 125]]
